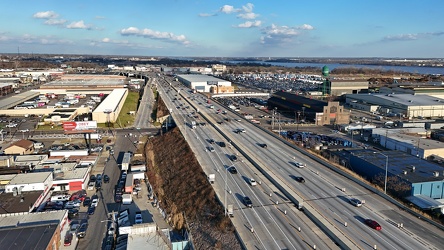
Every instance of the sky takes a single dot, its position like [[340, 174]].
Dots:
[[217, 28]]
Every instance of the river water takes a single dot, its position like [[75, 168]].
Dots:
[[408, 69]]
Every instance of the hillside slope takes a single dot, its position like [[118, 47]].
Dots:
[[182, 187]]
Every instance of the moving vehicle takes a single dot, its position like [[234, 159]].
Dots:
[[299, 164], [263, 145], [247, 201], [211, 141], [222, 144], [233, 157], [211, 178], [299, 179], [211, 149], [138, 219], [356, 202], [373, 224], [252, 182], [230, 210], [232, 170]]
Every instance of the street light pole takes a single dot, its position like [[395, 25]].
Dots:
[[386, 171]]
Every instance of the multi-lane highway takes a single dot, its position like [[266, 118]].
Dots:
[[324, 191]]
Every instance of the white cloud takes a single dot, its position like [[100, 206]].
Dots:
[[306, 27], [248, 7], [55, 22], [206, 14], [78, 25], [148, 33], [248, 15], [411, 37], [275, 34], [228, 9], [45, 15], [249, 24], [106, 40]]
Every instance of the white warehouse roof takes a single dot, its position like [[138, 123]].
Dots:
[[111, 101]]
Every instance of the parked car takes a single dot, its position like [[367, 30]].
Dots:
[[75, 225], [138, 219], [356, 202], [91, 210], [68, 239], [94, 201], [373, 224], [106, 178], [247, 201], [82, 230], [86, 201]]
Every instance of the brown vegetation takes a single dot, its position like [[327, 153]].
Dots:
[[183, 190]]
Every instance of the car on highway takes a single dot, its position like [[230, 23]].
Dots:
[[24, 130], [263, 145], [68, 239], [373, 224], [233, 157], [299, 179], [138, 218], [222, 144], [248, 202], [299, 164], [252, 182], [211, 141], [232, 170], [356, 202], [211, 149]]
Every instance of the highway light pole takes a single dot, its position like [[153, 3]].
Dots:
[[386, 170]]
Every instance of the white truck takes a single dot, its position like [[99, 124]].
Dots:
[[211, 178], [126, 161], [230, 210], [127, 199]]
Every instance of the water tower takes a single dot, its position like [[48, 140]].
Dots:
[[326, 84]]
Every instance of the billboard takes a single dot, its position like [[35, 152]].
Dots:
[[81, 127]]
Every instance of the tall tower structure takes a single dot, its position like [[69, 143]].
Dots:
[[326, 85]]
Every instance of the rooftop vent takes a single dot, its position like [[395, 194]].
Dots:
[[435, 173]]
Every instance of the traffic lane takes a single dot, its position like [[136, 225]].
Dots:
[[317, 193]]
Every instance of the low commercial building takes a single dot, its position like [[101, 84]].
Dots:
[[32, 230], [20, 147], [406, 175], [404, 105], [412, 141], [110, 108], [205, 83], [309, 110]]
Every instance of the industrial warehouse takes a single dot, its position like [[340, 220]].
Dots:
[[205, 83]]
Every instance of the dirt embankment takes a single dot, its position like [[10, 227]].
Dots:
[[182, 187]]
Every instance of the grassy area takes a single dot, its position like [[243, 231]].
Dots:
[[125, 119]]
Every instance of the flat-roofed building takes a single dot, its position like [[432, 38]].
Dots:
[[109, 109], [30, 182], [205, 83], [33, 230]]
